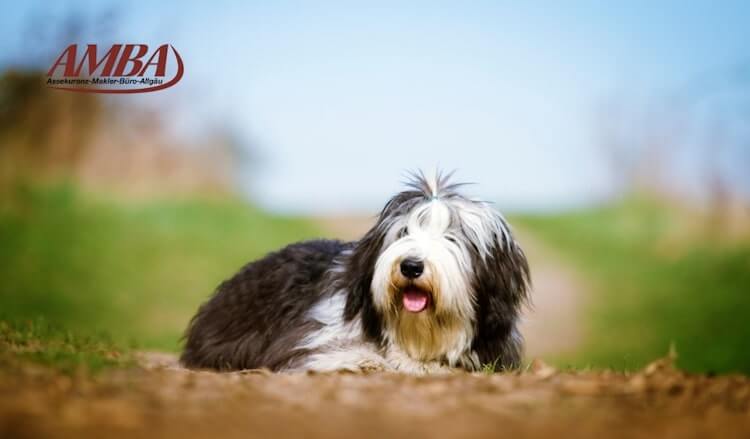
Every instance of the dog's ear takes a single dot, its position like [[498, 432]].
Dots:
[[360, 265], [501, 283], [360, 269]]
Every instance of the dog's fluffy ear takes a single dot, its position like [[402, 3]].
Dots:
[[360, 268], [502, 281], [360, 265]]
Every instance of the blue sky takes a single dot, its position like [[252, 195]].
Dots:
[[338, 100]]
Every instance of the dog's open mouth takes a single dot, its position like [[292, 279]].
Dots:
[[415, 299]]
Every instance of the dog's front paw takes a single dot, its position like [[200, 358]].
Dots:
[[436, 368], [401, 362]]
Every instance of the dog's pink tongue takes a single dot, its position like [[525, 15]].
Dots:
[[415, 300]]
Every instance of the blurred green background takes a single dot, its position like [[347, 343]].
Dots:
[[660, 275], [135, 269]]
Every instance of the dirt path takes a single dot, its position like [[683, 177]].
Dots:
[[552, 325], [160, 401]]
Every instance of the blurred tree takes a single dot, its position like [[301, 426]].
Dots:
[[701, 127], [42, 131], [48, 134]]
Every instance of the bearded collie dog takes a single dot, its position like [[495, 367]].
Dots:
[[436, 284]]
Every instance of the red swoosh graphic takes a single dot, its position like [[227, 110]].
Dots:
[[175, 80]]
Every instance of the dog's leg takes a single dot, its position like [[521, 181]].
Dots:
[[351, 358]]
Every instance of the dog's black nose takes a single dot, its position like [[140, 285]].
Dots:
[[412, 268]]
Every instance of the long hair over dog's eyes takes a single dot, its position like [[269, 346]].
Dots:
[[402, 232]]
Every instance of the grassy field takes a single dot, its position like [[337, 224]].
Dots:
[[39, 341], [125, 273], [658, 277]]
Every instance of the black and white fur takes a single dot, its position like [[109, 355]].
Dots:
[[329, 305]]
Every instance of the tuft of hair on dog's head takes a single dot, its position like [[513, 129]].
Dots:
[[439, 275]]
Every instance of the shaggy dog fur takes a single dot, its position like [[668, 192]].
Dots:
[[437, 283]]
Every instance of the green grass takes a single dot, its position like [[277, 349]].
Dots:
[[135, 270], [655, 280], [39, 341]]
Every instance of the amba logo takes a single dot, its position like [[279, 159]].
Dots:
[[121, 69]]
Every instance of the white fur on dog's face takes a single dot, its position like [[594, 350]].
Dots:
[[450, 235]]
